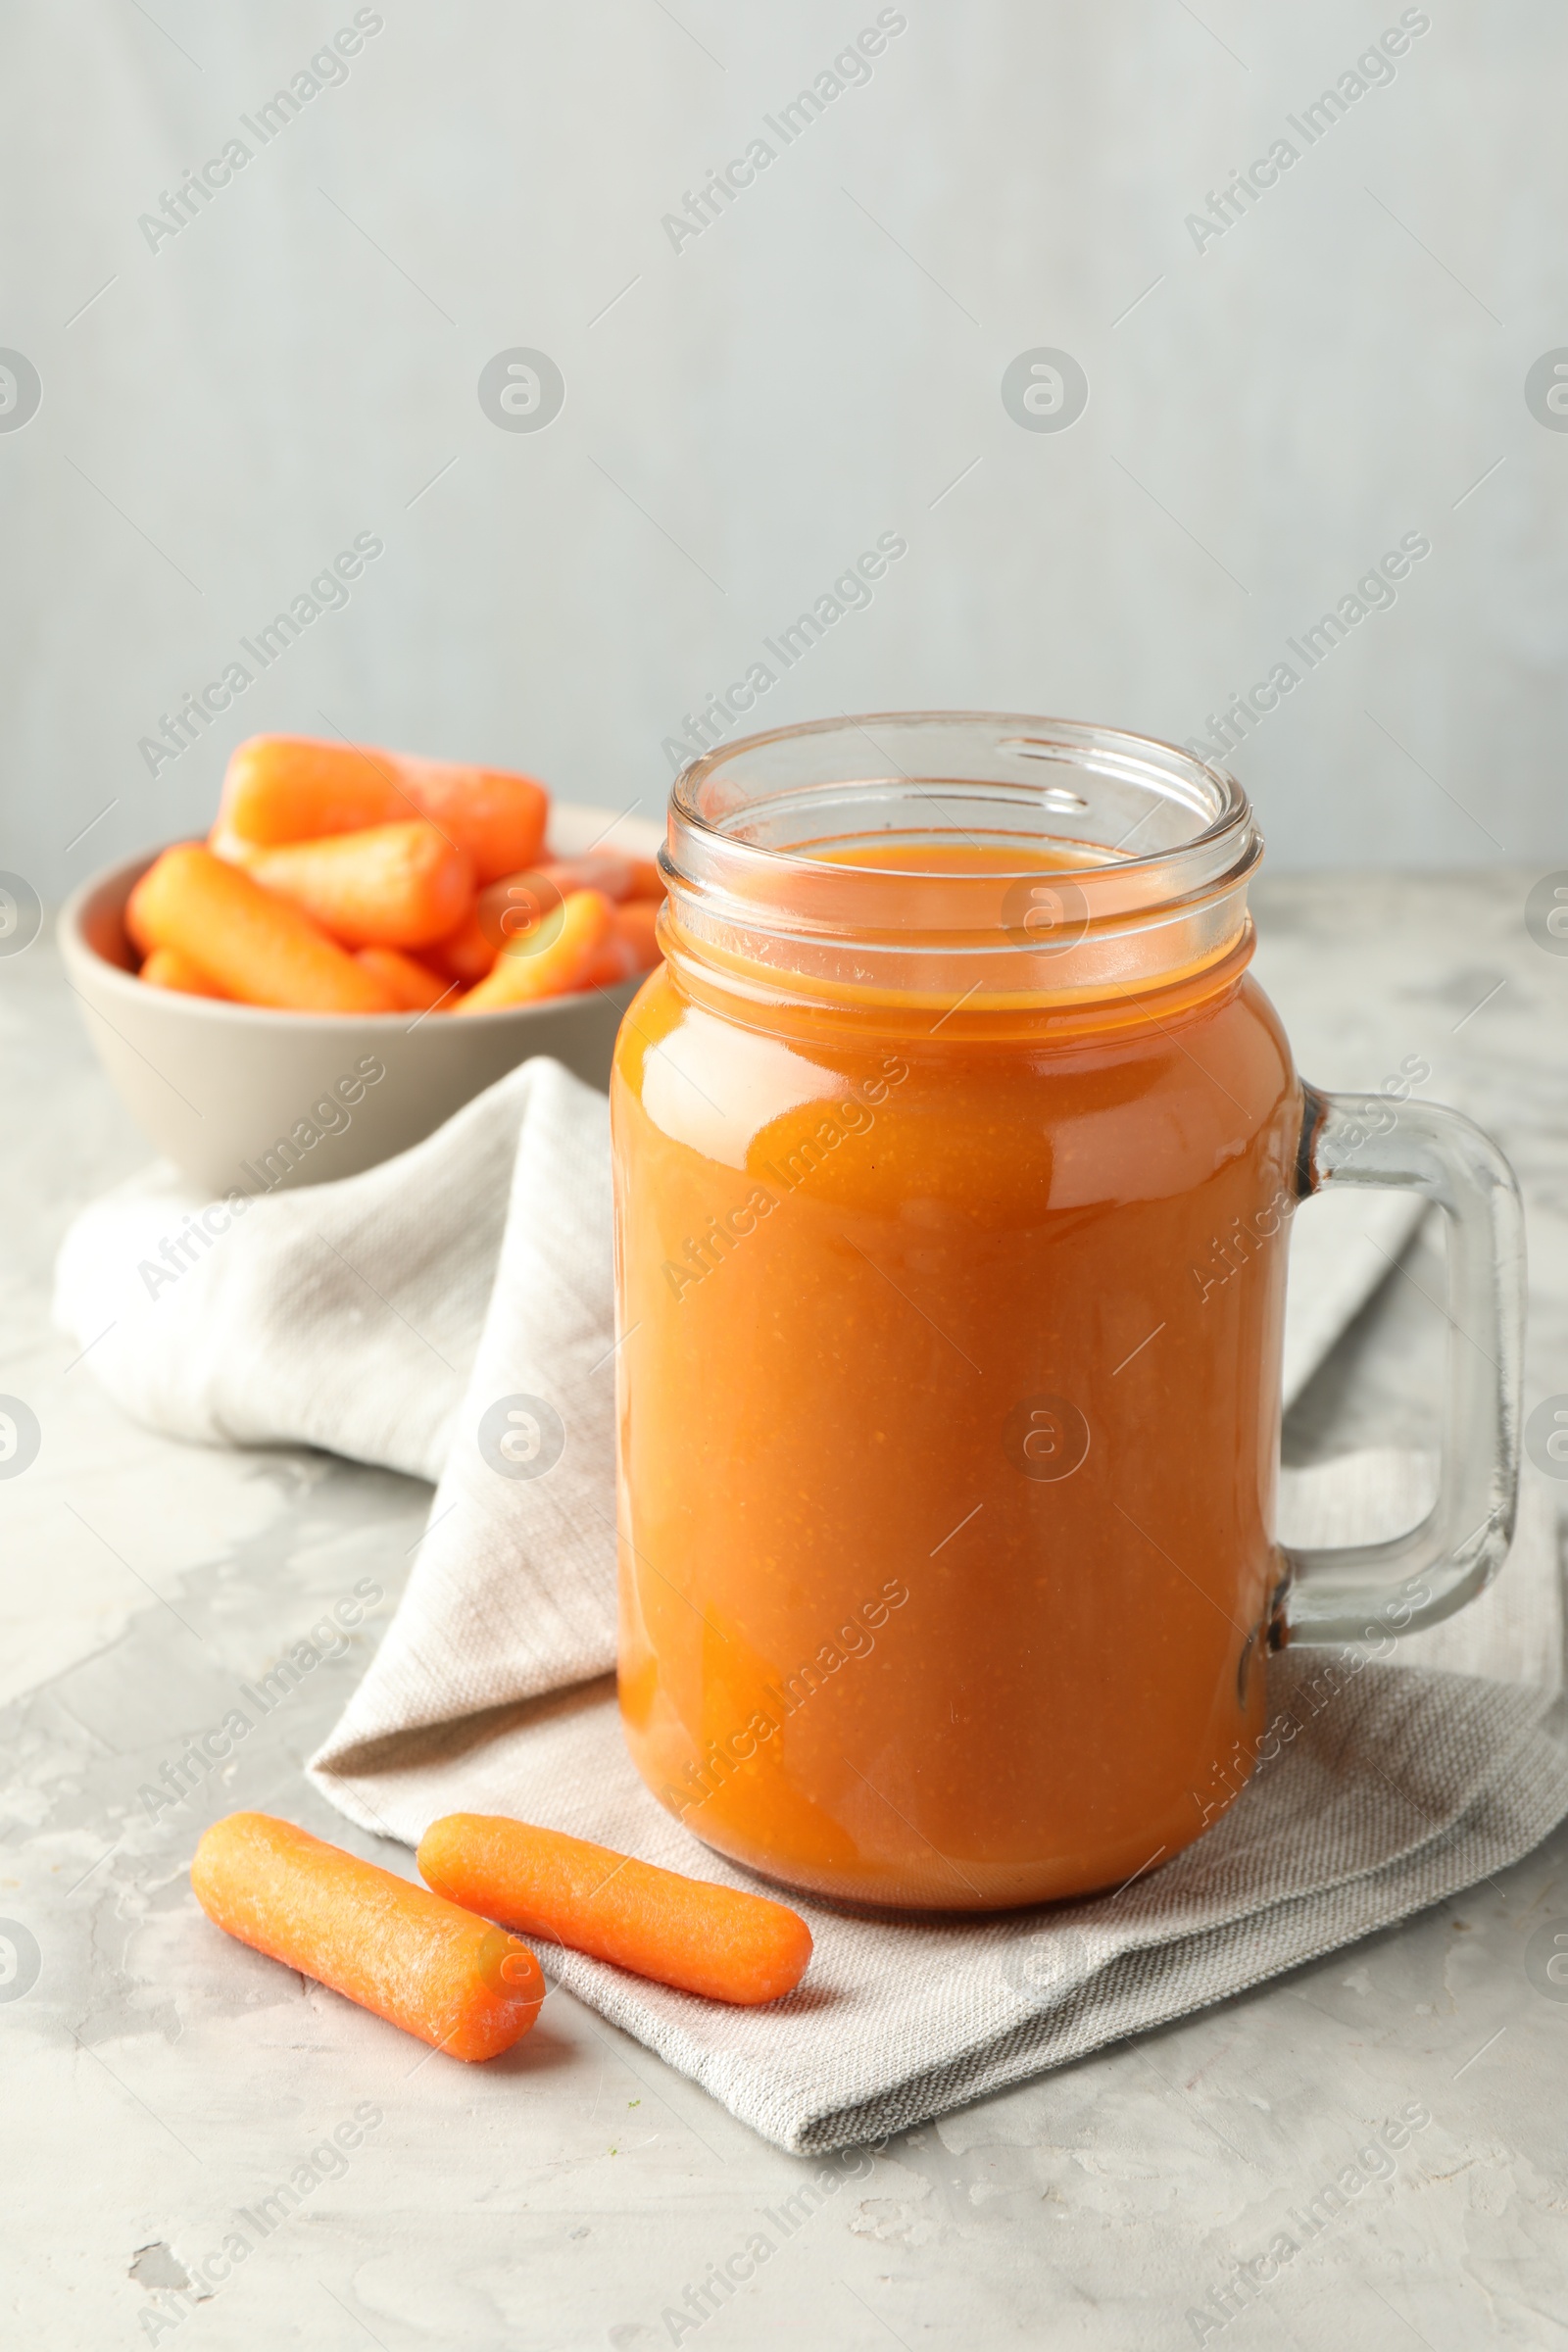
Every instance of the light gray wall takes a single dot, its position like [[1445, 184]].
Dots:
[[815, 368]]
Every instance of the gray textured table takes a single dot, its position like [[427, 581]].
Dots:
[[571, 2193]]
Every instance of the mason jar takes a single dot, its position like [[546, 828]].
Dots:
[[955, 1151]]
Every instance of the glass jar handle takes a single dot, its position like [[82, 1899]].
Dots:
[[1361, 1591]]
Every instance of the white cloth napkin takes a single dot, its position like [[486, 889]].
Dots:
[[384, 1316]]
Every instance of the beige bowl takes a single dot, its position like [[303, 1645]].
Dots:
[[242, 1098]]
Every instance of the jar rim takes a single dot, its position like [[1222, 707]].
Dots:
[[1036, 737], [1059, 803]]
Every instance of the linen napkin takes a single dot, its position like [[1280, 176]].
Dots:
[[393, 1315]]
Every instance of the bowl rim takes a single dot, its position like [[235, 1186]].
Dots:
[[74, 942]]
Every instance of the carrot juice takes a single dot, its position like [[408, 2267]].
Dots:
[[951, 1314]]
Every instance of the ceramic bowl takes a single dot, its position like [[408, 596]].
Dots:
[[241, 1098]]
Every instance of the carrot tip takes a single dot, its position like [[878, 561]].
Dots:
[[430, 1966]]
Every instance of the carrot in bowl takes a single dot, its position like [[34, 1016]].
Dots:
[[629, 948], [568, 941], [703, 1939], [521, 914], [279, 788], [595, 869], [615, 961], [637, 924], [465, 955], [259, 948], [286, 788], [232, 846], [618, 879], [166, 967], [388, 885], [410, 984], [421, 1962], [496, 816]]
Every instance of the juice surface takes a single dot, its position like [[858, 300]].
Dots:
[[949, 1416]]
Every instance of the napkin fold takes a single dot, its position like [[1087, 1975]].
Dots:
[[449, 1315]]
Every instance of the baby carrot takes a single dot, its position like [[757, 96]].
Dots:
[[410, 984], [231, 846], [282, 788], [255, 945], [703, 1939], [635, 923], [522, 913], [573, 939], [616, 878], [629, 947], [596, 869], [465, 955], [293, 788], [615, 961], [496, 816], [166, 967], [421, 1962], [388, 885]]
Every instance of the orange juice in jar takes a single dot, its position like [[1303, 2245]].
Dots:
[[954, 1156]]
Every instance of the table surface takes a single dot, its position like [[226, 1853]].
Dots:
[[571, 2193]]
